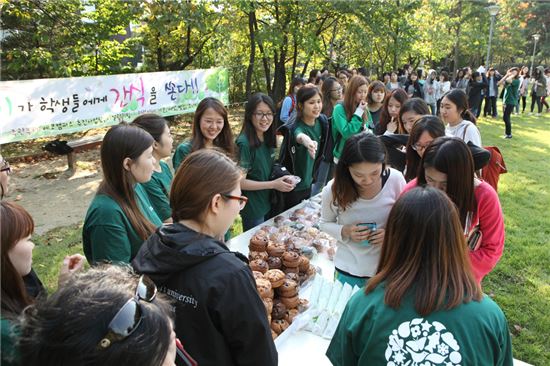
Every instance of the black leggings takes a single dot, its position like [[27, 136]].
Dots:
[[543, 102], [508, 109], [490, 106], [523, 102], [535, 99]]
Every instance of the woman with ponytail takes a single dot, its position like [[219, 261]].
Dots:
[[460, 121]]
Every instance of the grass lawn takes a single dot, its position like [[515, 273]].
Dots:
[[520, 284]]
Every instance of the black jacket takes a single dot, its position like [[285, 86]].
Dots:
[[474, 92], [220, 317]]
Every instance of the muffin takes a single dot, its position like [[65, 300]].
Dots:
[[258, 255], [291, 259], [274, 263], [264, 288], [279, 326], [276, 250], [291, 302], [258, 243], [304, 264], [279, 310], [259, 265], [276, 277], [289, 288]]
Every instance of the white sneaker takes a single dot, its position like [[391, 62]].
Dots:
[[538, 114]]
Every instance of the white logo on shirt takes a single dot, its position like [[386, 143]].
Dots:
[[421, 343]]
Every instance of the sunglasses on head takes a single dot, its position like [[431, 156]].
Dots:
[[128, 318]]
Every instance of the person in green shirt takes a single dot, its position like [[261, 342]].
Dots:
[[256, 145], [18, 291], [158, 188], [121, 217], [424, 305], [511, 98], [308, 134], [210, 129], [351, 116]]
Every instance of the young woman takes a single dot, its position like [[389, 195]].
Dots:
[[5, 171], [220, 317], [352, 116], [524, 88], [491, 93], [475, 93], [538, 89], [344, 76], [256, 144], [159, 186], [289, 103], [430, 91], [511, 98], [424, 305], [393, 83], [460, 121], [411, 111], [356, 205], [447, 164], [20, 285], [121, 320], [443, 87], [332, 95], [121, 217], [386, 78], [424, 131], [309, 136], [413, 87], [389, 117], [459, 76], [463, 83], [375, 100], [210, 129]]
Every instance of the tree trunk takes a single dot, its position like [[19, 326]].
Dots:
[[457, 43], [250, 71], [295, 59], [265, 61]]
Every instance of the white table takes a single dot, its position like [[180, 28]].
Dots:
[[301, 348]]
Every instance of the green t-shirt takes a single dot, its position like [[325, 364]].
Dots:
[[371, 333], [342, 129], [181, 153], [158, 190], [108, 234], [9, 335], [304, 164], [511, 93], [258, 163]]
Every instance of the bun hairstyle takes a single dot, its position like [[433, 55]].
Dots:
[[152, 123], [359, 148], [459, 98]]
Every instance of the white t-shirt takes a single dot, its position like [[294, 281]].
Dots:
[[356, 258], [466, 131]]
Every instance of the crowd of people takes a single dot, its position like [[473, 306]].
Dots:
[[399, 165]]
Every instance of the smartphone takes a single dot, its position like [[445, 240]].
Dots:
[[371, 226], [183, 356]]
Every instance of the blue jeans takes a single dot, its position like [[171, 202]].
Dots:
[[249, 223]]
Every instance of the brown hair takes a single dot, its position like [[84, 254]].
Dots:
[[375, 86], [451, 155], [401, 96], [359, 148], [152, 123], [326, 89], [425, 251], [435, 128], [224, 140], [16, 224], [350, 104], [121, 142], [201, 176]]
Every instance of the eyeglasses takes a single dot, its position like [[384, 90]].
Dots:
[[418, 147], [337, 90], [260, 115], [128, 318], [242, 199]]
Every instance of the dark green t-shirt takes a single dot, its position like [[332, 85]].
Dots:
[[371, 333], [181, 153], [258, 163], [158, 190], [304, 164], [511, 93], [108, 234]]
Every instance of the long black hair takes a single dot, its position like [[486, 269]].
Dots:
[[248, 128]]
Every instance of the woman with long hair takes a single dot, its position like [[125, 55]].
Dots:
[[411, 111], [220, 317], [256, 145], [20, 284], [352, 116], [460, 121], [430, 91], [448, 164], [424, 131], [376, 95], [524, 87], [289, 103], [491, 93], [105, 316], [210, 129], [120, 216], [443, 86], [511, 98], [424, 305], [159, 186], [389, 117], [332, 95], [5, 171], [356, 204]]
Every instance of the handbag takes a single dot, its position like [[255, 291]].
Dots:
[[474, 236], [276, 198]]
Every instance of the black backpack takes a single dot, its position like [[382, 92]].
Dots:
[[58, 147]]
